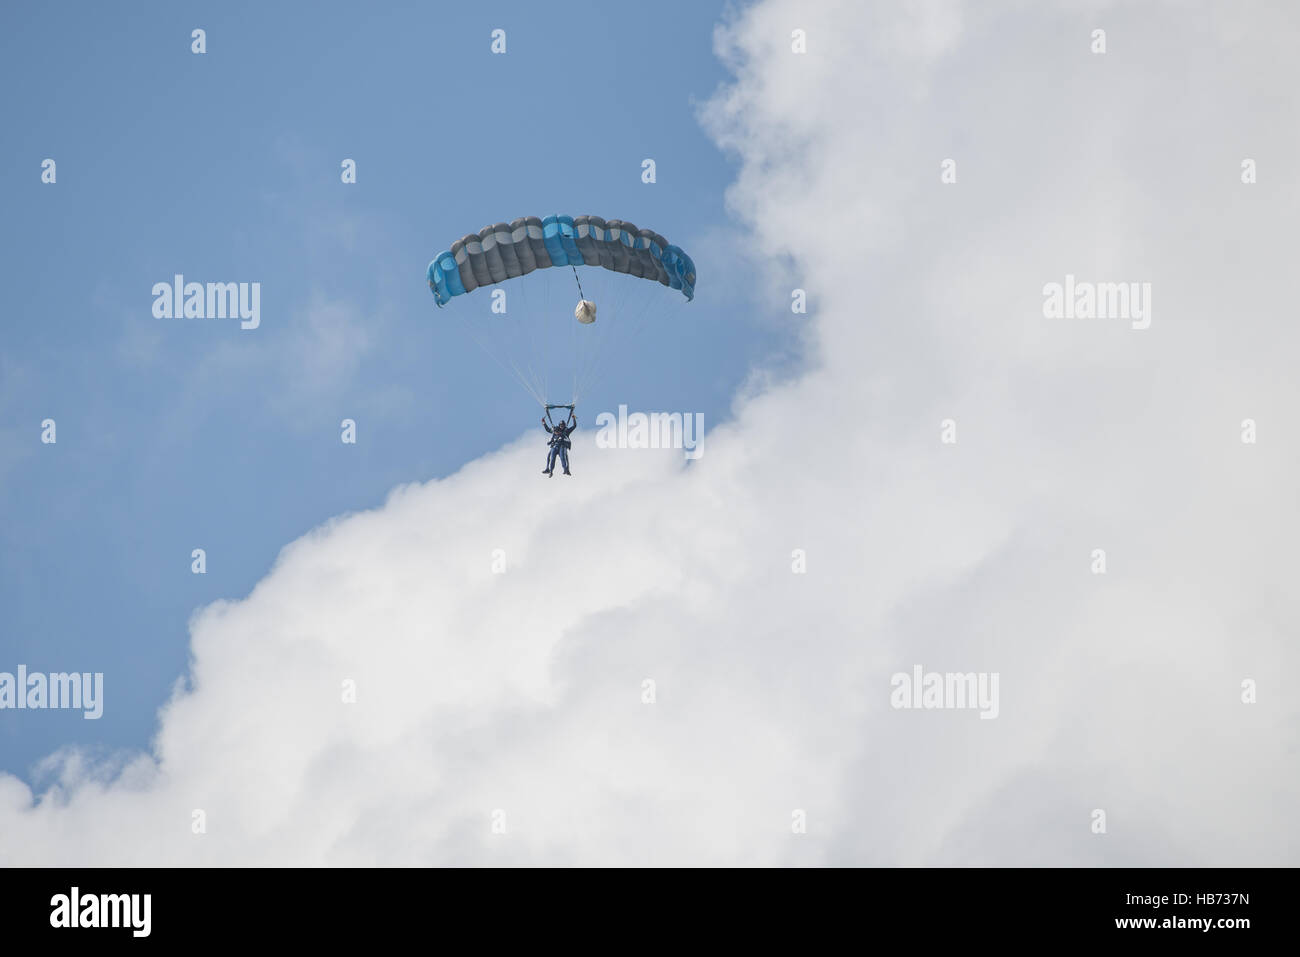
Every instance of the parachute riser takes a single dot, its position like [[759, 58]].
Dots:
[[556, 406]]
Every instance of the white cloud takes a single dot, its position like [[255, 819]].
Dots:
[[522, 691]]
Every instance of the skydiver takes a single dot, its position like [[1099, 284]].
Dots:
[[559, 443]]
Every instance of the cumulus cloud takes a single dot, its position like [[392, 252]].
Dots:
[[523, 692]]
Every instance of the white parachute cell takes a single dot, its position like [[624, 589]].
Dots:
[[585, 311]]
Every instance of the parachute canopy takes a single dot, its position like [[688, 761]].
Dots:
[[505, 251], [527, 325]]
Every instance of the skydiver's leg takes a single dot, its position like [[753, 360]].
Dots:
[[564, 460], [550, 461]]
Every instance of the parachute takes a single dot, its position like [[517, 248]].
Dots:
[[521, 324], [502, 252]]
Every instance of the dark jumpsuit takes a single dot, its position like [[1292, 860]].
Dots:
[[559, 444]]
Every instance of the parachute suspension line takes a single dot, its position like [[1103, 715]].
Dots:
[[632, 328], [526, 376], [505, 331], [573, 339], [580, 337], [546, 342], [586, 340], [510, 369], [606, 334], [592, 340], [527, 324], [615, 330]]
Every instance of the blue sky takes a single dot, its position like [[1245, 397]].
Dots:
[[225, 167]]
